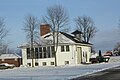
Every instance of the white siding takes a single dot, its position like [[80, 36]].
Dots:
[[40, 61], [86, 50], [64, 56], [70, 56], [24, 57]]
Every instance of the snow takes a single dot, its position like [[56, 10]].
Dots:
[[53, 73], [114, 59], [9, 56]]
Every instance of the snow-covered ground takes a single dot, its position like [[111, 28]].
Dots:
[[53, 73]]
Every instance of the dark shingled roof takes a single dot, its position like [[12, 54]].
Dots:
[[76, 32], [73, 38]]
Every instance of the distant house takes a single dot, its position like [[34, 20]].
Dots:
[[71, 49], [11, 59], [108, 53]]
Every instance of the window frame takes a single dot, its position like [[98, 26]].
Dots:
[[36, 53], [36, 63], [44, 52], [67, 62], [40, 52], [28, 52], [52, 63], [48, 52], [29, 64], [44, 63]]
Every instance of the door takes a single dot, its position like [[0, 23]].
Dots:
[[79, 55]]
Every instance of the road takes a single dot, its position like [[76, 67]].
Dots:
[[110, 74], [55, 73]]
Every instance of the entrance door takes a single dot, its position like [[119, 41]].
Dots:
[[79, 55]]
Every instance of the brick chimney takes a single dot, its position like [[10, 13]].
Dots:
[[44, 29]]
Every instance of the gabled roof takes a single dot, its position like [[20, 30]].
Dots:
[[73, 38], [9, 56], [47, 40], [35, 43]]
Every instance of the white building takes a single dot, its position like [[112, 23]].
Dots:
[[71, 50]]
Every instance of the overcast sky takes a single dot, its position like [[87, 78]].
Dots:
[[105, 14]]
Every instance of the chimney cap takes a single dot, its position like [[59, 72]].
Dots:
[[77, 32]]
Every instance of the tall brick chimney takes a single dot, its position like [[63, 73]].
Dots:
[[44, 29]]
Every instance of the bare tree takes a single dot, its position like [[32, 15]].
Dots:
[[86, 25], [3, 48], [117, 49], [31, 27], [3, 34], [117, 46], [58, 19], [3, 31]]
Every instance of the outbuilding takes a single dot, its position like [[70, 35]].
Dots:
[[11, 59]]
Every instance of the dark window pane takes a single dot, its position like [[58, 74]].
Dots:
[[29, 64], [28, 53], [66, 62], [44, 49], [44, 64], [40, 52], [40, 49], [52, 63], [52, 51], [36, 53], [67, 48], [62, 49], [48, 52], [44, 52], [36, 64]]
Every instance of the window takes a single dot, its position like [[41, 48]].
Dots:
[[29, 64], [52, 63], [48, 52], [62, 49], [52, 51], [44, 64], [44, 52], [67, 48], [28, 53], [66, 62], [36, 64], [36, 53], [40, 52]]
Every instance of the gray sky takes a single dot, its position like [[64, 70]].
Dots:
[[105, 14]]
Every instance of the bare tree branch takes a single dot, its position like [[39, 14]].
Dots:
[[31, 27], [3, 31], [86, 25], [57, 17]]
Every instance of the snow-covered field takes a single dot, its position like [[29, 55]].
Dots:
[[53, 73]]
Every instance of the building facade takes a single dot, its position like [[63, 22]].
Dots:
[[70, 50], [11, 59]]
